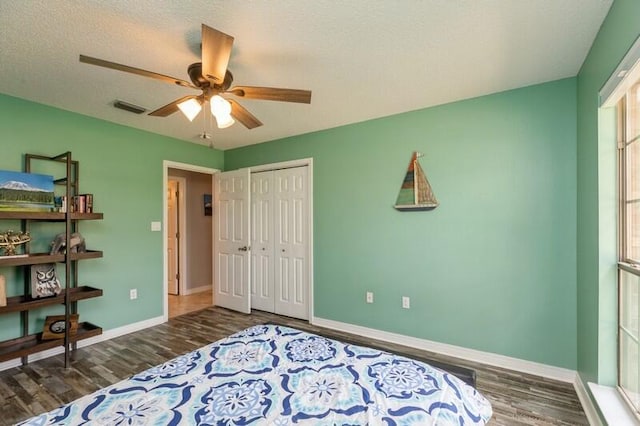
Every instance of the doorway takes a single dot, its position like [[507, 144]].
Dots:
[[187, 240]]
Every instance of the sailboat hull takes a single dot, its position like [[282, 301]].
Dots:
[[414, 207]]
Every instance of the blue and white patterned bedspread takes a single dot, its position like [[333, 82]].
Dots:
[[275, 375]]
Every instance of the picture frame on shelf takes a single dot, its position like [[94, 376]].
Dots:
[[26, 191], [55, 325]]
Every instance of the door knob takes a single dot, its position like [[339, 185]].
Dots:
[[243, 248]]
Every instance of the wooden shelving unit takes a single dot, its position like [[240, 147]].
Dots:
[[31, 343]]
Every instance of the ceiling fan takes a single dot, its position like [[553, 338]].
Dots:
[[212, 77]]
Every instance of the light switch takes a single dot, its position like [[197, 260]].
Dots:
[[156, 226]]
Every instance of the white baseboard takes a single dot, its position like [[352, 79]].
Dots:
[[200, 289], [107, 335], [516, 364], [589, 408]]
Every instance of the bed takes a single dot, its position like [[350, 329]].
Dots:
[[276, 375]]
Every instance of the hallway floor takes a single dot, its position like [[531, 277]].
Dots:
[[180, 305]]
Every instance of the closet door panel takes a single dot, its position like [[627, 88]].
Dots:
[[291, 242], [231, 261], [262, 261]]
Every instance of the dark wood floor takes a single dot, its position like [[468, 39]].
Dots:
[[517, 399]]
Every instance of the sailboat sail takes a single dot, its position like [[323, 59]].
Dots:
[[415, 192]]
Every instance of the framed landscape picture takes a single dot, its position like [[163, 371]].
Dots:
[[25, 191]]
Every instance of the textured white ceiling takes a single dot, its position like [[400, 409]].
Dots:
[[362, 59]]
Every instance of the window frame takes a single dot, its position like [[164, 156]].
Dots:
[[625, 263]]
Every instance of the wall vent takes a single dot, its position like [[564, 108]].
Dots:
[[129, 107]]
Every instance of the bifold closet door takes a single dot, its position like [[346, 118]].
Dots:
[[291, 237], [280, 242]]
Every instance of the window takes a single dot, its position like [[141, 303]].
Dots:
[[629, 237]]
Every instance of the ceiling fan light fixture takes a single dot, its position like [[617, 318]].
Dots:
[[220, 106], [221, 110], [190, 108], [224, 121]]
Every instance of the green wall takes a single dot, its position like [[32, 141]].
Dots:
[[596, 237], [122, 167], [492, 268]]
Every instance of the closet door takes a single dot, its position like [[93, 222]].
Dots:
[[291, 230], [262, 219]]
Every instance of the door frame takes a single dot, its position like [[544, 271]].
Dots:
[[286, 165], [166, 165], [182, 231]]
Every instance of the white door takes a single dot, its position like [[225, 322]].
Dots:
[[231, 251], [262, 289], [291, 230], [172, 236]]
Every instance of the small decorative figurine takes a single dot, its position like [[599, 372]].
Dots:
[[59, 243], [10, 240], [44, 282]]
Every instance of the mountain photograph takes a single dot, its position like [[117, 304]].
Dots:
[[25, 191]]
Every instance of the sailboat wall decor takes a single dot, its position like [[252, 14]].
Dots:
[[415, 193]]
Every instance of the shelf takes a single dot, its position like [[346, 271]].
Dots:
[[31, 344], [86, 216], [84, 292], [89, 254], [38, 258], [49, 216], [32, 259], [25, 303]]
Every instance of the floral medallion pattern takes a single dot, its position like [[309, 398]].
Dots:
[[310, 348], [275, 375]]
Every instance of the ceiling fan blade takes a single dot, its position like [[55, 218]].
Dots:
[[169, 109], [242, 115], [132, 70], [272, 94], [216, 50]]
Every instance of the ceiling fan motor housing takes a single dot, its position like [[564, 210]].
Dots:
[[195, 74]]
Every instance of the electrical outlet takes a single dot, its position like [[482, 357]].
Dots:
[[133, 293], [369, 297], [406, 302]]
